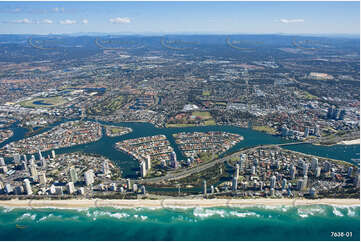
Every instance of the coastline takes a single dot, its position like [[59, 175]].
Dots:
[[349, 142], [169, 203]]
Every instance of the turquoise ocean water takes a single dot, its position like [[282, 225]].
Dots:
[[314, 222], [223, 223]]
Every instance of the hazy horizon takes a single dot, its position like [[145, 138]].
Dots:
[[321, 18]]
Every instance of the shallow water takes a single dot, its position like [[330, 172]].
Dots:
[[315, 222]]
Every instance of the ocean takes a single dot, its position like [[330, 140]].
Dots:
[[315, 222]]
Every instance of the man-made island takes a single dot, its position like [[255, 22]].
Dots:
[[64, 135]]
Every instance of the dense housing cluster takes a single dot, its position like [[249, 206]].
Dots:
[[64, 135], [195, 143]]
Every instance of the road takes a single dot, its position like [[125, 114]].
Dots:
[[175, 175]]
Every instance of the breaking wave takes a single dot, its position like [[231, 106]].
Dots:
[[26, 216]]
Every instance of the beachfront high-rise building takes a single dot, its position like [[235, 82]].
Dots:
[[142, 188], [307, 132], [40, 155], [284, 130], [81, 191], [237, 171], [273, 182], [318, 172], [89, 177], [3, 169], [272, 192], [70, 187], [2, 161], [25, 158], [148, 163], [284, 184], [305, 169], [19, 190], [204, 187], [24, 165], [314, 164], [143, 169], [59, 190], [32, 161], [73, 175], [44, 163], [255, 162], [253, 170], [299, 184], [121, 189], [244, 185], [242, 161], [349, 171], [261, 185], [212, 189], [28, 189], [304, 184], [33, 172], [317, 130], [327, 166], [42, 178], [356, 181], [234, 183], [128, 184], [313, 192], [135, 187], [53, 154], [106, 168], [173, 160], [52, 189], [113, 187], [17, 158], [8, 189]]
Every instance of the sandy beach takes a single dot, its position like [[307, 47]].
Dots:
[[166, 203], [350, 142]]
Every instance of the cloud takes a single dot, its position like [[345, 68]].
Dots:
[[290, 21], [22, 21], [58, 10], [120, 20], [28, 21], [67, 21], [84, 21], [46, 21]]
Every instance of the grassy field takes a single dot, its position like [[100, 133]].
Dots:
[[210, 122], [206, 119], [179, 125], [221, 103], [203, 115], [309, 96], [206, 93], [50, 101], [114, 129], [108, 106], [265, 129]]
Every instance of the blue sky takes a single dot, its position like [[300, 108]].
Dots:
[[180, 17]]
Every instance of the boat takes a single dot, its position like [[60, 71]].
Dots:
[[20, 226]]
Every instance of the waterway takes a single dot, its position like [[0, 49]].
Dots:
[[106, 145]]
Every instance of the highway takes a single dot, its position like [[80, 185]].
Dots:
[[176, 175]]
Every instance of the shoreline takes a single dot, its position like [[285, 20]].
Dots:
[[176, 203], [349, 142]]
